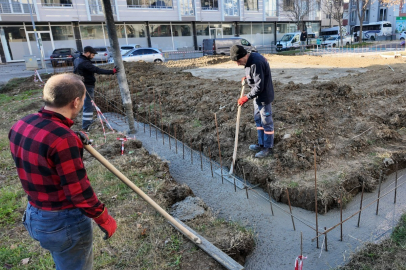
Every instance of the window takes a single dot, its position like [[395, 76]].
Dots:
[[366, 15], [181, 30], [13, 6], [288, 5], [91, 32], [57, 3], [186, 7], [353, 16], [160, 4], [231, 7], [210, 4], [160, 30], [228, 29], [62, 32], [245, 42], [135, 30], [383, 13], [270, 8], [202, 29], [251, 4]]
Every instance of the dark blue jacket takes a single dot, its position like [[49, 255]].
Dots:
[[259, 78], [84, 67]]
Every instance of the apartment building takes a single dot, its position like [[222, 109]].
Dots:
[[164, 24]]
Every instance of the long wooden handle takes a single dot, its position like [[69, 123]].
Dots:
[[237, 129], [130, 184]]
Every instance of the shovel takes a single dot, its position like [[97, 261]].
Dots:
[[237, 129]]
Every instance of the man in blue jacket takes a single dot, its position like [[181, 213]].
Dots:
[[83, 66], [258, 76]]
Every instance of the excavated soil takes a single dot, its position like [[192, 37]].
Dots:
[[352, 124]]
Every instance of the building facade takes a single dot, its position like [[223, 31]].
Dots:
[[164, 24]]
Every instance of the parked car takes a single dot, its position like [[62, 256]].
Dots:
[[288, 41], [103, 54], [335, 41], [402, 35], [222, 46], [142, 54], [126, 48], [64, 57]]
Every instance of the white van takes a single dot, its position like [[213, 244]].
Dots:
[[288, 41], [222, 46]]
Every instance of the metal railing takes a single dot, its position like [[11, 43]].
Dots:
[[56, 5], [15, 8], [98, 9]]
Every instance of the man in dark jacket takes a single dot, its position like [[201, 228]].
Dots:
[[258, 76], [83, 66], [303, 38]]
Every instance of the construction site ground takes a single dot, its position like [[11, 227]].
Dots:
[[349, 107]]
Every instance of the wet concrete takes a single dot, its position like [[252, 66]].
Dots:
[[277, 243]]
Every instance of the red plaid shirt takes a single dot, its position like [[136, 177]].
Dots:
[[48, 156]]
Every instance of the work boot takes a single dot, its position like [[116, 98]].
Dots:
[[256, 147], [266, 152]]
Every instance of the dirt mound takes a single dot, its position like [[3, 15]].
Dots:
[[352, 123]]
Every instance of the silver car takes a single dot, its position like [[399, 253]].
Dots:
[[142, 54], [103, 54]]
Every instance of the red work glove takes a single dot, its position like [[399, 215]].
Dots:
[[242, 100], [115, 70], [106, 223]]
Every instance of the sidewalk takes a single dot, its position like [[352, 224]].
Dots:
[[18, 70]]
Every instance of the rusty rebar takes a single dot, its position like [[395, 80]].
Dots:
[[149, 119], [269, 194], [360, 206], [245, 180], [169, 135], [379, 192], [211, 165], [155, 115], [162, 123], [191, 152], [176, 140], [301, 244], [325, 237], [145, 111], [218, 141], [341, 215], [290, 209], [396, 182], [201, 158], [183, 144], [315, 195]]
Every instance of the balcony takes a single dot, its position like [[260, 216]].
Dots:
[[158, 4], [57, 3], [14, 7], [96, 8]]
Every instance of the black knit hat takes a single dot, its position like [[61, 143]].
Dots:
[[89, 49], [237, 52]]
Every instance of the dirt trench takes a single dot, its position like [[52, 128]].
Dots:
[[352, 127]]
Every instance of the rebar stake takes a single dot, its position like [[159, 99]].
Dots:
[[315, 195], [245, 180], [396, 182], [211, 165], [341, 215], [201, 159], [176, 141], [149, 119], [218, 141], [183, 144], [301, 244], [290, 209], [325, 237], [169, 136], [360, 205], [191, 152], [379, 192], [162, 123], [269, 194], [155, 116]]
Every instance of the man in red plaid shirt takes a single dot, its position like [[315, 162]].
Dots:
[[48, 156]]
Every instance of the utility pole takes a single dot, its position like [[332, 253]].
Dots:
[[38, 41], [118, 61]]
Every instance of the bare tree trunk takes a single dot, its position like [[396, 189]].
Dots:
[[118, 61]]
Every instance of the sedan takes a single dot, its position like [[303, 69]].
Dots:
[[126, 48], [103, 54], [335, 41], [402, 35], [64, 57], [142, 54]]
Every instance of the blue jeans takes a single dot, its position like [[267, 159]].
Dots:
[[264, 122], [67, 234], [87, 117]]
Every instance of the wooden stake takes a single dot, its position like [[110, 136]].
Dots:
[[396, 182], [360, 205], [218, 141], [315, 195], [379, 192], [290, 209]]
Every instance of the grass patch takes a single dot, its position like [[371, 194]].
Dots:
[[9, 202]]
